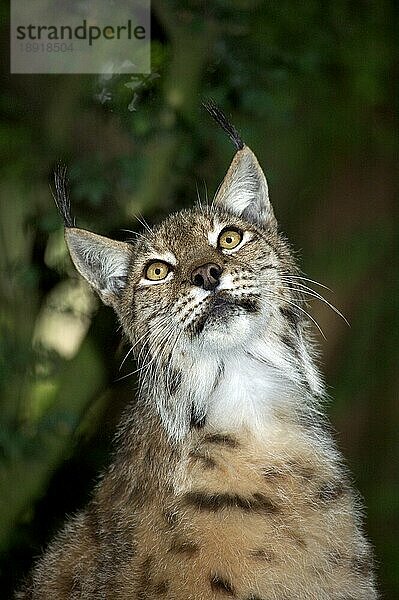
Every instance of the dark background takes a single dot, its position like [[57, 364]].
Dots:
[[311, 87]]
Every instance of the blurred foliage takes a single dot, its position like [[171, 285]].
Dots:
[[311, 88]]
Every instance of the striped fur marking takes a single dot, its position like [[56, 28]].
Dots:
[[207, 462], [222, 585], [263, 554], [221, 440], [214, 502], [145, 579], [292, 317], [182, 546]]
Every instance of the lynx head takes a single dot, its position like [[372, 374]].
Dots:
[[209, 288]]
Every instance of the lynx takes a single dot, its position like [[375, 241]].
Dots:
[[225, 480]]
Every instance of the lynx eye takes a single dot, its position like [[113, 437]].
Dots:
[[156, 271], [229, 239]]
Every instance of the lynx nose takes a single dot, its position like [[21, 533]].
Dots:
[[207, 276]]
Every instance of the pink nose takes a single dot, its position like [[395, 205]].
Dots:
[[207, 276]]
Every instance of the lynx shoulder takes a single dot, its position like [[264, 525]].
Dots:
[[225, 482]]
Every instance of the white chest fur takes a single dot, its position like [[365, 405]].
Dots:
[[239, 392]]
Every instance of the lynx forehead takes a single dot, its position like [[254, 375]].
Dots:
[[225, 482]]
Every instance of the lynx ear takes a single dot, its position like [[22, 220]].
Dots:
[[244, 191], [101, 261]]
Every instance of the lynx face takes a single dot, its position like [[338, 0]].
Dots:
[[214, 285], [208, 289]]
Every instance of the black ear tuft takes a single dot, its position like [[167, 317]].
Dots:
[[221, 119], [61, 196]]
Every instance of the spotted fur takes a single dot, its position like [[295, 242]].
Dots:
[[225, 481]]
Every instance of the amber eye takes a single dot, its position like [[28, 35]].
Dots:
[[157, 271], [229, 239]]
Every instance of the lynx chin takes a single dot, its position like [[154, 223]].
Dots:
[[225, 480]]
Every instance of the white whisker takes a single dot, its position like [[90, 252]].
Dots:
[[307, 279], [143, 222], [307, 290], [302, 310]]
